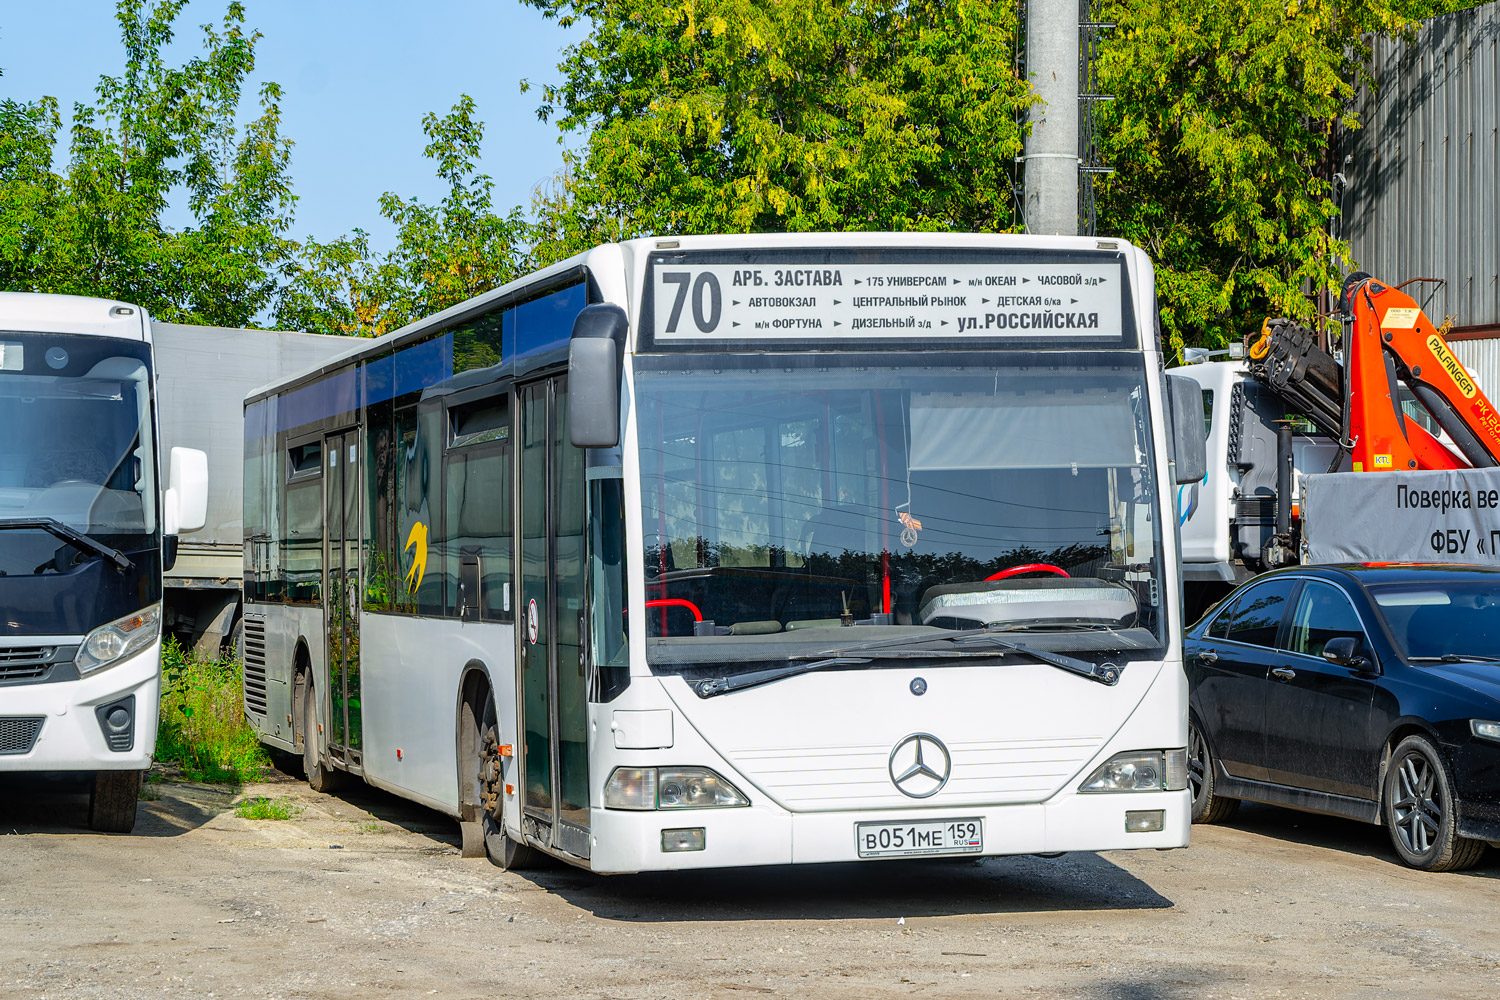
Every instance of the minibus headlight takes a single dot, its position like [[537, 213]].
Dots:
[[108, 644], [646, 788], [1140, 771]]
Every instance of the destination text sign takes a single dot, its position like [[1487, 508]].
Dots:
[[695, 302]]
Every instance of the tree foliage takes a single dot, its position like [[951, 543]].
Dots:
[[98, 227], [444, 253], [1220, 134], [753, 116]]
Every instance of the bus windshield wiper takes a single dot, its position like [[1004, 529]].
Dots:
[[1455, 658], [861, 653], [72, 535]]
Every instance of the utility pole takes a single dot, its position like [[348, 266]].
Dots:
[[1051, 153]]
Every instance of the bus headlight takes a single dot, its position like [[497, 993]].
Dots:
[[647, 788], [1140, 771], [108, 644]]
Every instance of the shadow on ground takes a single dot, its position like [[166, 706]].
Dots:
[[883, 890], [1346, 836], [59, 804]]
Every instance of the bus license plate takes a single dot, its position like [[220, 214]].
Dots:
[[928, 836]]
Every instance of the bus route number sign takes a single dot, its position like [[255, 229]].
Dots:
[[707, 302], [531, 621]]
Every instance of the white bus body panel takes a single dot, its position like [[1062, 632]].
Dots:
[[420, 719], [1012, 766], [70, 739]]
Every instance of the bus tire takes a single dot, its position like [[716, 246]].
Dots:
[[112, 801], [502, 851], [320, 777]]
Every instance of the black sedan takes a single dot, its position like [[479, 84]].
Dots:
[[1369, 691]]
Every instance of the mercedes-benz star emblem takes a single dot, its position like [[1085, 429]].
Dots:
[[918, 686], [920, 765]]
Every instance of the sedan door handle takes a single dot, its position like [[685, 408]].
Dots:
[[1209, 656], [1283, 673]]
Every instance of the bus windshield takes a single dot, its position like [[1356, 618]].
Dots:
[[77, 451], [786, 498]]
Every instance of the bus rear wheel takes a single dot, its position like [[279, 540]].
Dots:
[[486, 836], [320, 777], [112, 801]]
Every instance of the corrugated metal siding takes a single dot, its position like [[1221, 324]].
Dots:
[[1423, 191], [1482, 358]]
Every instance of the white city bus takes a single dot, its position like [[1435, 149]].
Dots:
[[85, 534], [748, 550]]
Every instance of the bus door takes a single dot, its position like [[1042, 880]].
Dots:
[[553, 702], [342, 596]]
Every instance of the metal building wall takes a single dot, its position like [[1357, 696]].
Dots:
[[1482, 359], [1423, 195]]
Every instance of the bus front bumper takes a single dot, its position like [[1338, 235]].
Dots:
[[72, 736], [767, 835]]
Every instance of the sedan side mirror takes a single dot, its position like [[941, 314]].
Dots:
[[1344, 651]]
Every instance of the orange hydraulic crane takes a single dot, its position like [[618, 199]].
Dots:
[[1392, 342]]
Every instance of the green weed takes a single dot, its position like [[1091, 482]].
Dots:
[[260, 807], [203, 727], [149, 793], [371, 827]]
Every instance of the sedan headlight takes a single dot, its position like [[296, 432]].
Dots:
[[108, 644], [647, 788], [1140, 771], [1485, 729]]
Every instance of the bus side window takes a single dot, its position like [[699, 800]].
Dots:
[[479, 495]]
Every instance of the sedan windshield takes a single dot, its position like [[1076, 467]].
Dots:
[[1440, 619], [788, 498]]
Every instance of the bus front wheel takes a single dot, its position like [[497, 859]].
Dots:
[[489, 788], [112, 801]]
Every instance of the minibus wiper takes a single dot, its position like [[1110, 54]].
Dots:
[[69, 534], [862, 653]]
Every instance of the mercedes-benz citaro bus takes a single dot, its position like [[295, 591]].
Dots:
[[742, 550], [85, 534]]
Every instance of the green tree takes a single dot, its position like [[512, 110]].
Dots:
[[98, 227], [1220, 134], [747, 116], [444, 254]]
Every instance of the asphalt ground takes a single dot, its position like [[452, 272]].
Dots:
[[364, 895]]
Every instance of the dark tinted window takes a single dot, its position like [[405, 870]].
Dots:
[[1443, 616], [1219, 628], [1322, 613], [1257, 613]]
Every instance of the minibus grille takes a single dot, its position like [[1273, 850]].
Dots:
[[18, 735], [254, 657], [21, 663]]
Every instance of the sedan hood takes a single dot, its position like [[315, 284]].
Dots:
[[1482, 678]]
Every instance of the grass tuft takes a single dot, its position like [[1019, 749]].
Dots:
[[260, 807], [203, 727]]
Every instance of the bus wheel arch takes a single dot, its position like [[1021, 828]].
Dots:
[[481, 788], [320, 776]]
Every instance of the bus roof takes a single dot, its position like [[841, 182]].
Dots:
[[36, 312], [638, 249]]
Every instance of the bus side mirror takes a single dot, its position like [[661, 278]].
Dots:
[[185, 504], [594, 376], [1187, 437]]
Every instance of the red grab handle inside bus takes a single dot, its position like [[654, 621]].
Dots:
[[678, 602], [1027, 568]]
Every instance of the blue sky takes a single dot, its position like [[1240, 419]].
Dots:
[[357, 78]]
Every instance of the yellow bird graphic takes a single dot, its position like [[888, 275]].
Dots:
[[417, 538]]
